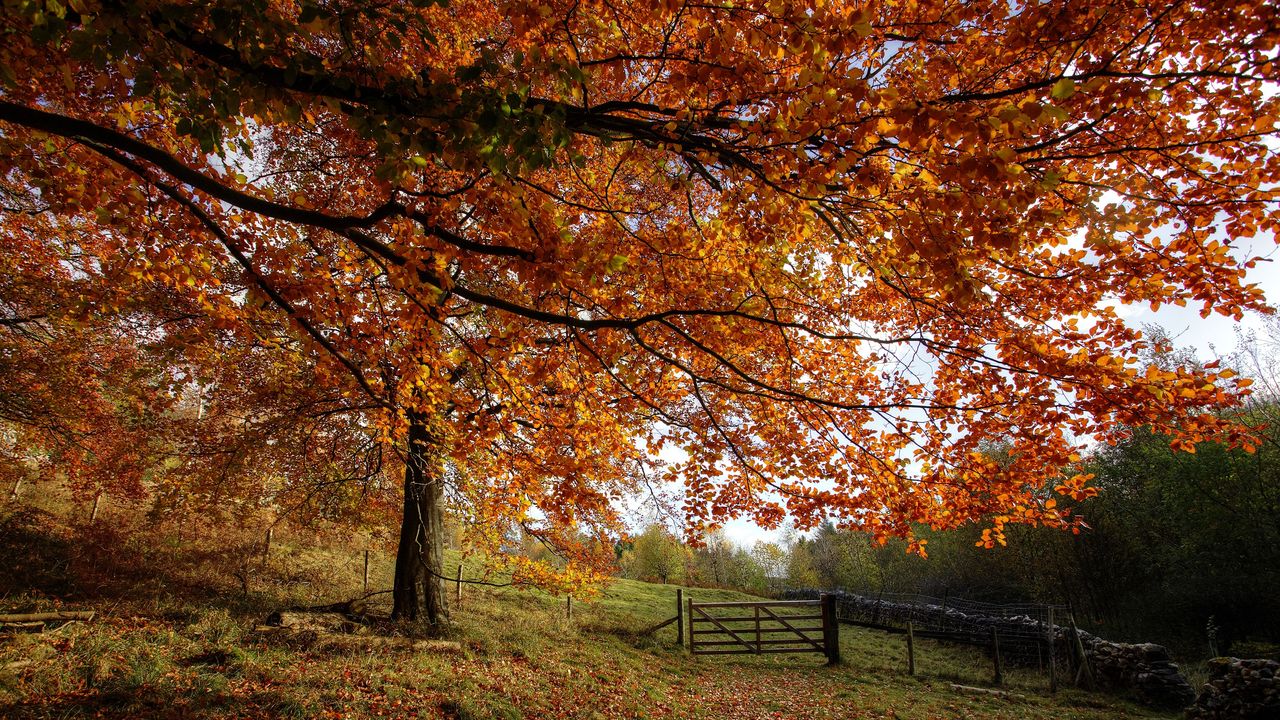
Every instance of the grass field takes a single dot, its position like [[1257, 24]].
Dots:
[[175, 639]]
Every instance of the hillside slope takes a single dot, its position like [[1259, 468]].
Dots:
[[176, 640]]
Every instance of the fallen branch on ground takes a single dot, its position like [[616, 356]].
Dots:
[[48, 616], [970, 690], [314, 638], [320, 621]]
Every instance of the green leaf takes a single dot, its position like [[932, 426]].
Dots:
[[1063, 89], [388, 170]]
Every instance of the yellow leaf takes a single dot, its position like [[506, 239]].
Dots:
[[1063, 89]]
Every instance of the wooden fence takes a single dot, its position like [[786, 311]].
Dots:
[[778, 626], [1018, 634]]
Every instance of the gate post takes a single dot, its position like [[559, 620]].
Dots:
[[680, 617], [688, 607], [830, 629]]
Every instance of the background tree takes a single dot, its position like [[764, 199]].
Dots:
[[1195, 534], [656, 554], [800, 570], [826, 250], [713, 559], [719, 562], [1192, 534], [772, 560]]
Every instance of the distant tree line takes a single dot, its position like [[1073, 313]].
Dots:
[[1180, 548], [657, 555]]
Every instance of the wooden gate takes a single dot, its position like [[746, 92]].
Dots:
[[757, 628]]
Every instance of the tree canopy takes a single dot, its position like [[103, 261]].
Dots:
[[828, 250]]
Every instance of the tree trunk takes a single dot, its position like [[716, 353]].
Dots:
[[419, 592]]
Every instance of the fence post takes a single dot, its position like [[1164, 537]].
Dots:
[[995, 649], [680, 617], [568, 607], [688, 607], [93, 516], [830, 629], [1073, 662], [366, 571], [911, 648], [266, 547], [1086, 670], [1053, 668], [459, 584]]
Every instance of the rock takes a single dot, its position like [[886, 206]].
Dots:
[[320, 621], [1152, 653], [1239, 690]]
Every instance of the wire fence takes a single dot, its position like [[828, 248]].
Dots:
[[1029, 635]]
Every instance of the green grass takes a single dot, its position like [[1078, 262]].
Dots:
[[178, 642]]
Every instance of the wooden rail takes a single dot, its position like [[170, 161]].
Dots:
[[769, 628]]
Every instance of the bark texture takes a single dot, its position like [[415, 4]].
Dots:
[[419, 591]]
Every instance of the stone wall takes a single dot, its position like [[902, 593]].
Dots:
[[1145, 669], [1239, 690]]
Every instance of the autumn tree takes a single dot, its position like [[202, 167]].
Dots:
[[135, 391], [719, 562], [262, 436], [656, 554], [799, 569], [826, 249], [81, 398], [772, 560]]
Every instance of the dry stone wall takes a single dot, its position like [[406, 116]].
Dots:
[[1145, 669], [1239, 690]]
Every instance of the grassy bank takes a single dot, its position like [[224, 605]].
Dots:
[[174, 638]]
